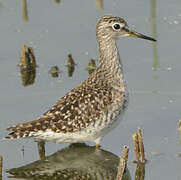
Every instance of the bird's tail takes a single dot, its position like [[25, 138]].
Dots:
[[29, 129]]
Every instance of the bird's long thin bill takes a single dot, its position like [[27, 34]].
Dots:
[[138, 35]]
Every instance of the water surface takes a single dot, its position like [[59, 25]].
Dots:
[[152, 71]]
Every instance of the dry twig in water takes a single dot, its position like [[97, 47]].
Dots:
[[123, 163]]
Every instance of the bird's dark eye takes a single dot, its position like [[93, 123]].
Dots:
[[116, 26]]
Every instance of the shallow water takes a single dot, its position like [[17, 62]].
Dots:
[[152, 71]]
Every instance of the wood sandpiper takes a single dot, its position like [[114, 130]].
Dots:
[[90, 110]]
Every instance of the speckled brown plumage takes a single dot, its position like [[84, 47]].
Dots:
[[77, 110], [90, 110]]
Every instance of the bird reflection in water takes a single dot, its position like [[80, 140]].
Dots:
[[78, 161]]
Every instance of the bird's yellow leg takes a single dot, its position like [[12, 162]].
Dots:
[[97, 141]]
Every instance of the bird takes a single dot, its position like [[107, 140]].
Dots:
[[92, 109], [77, 162]]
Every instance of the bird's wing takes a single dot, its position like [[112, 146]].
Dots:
[[79, 108]]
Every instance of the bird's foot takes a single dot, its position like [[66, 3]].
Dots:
[[98, 147]]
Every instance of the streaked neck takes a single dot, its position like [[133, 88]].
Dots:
[[109, 61]]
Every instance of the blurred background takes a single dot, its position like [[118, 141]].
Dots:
[[62, 33]]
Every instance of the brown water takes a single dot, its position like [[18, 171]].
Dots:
[[152, 71]]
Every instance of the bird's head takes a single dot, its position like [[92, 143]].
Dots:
[[115, 27]]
